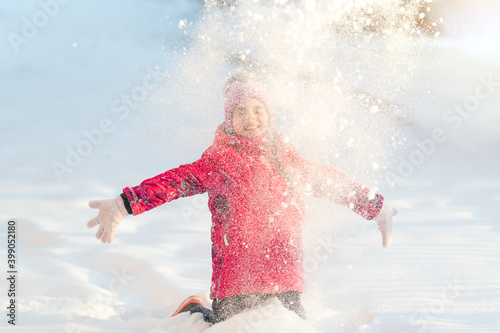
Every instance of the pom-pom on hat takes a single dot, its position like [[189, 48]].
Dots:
[[239, 91]]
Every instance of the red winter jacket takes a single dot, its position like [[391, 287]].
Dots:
[[255, 190]]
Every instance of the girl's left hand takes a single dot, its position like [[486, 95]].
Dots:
[[384, 223]]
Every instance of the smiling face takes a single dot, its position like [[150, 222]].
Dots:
[[250, 118]]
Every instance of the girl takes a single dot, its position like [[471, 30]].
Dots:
[[255, 183]]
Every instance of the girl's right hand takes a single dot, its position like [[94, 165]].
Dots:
[[110, 213]]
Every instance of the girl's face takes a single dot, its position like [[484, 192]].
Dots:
[[250, 118]]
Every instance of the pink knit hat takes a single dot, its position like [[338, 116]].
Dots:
[[240, 91]]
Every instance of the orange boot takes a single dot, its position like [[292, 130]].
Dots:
[[188, 304]]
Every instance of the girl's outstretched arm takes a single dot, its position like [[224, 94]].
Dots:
[[183, 181], [328, 182], [186, 180]]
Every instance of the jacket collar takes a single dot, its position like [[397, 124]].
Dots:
[[261, 143]]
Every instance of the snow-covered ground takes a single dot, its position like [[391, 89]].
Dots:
[[96, 96]]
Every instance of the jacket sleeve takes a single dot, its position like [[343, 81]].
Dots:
[[186, 180], [328, 182]]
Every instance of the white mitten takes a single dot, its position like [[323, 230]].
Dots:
[[110, 213], [384, 223]]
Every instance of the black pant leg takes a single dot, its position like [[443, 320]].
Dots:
[[225, 308], [208, 314], [291, 300]]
